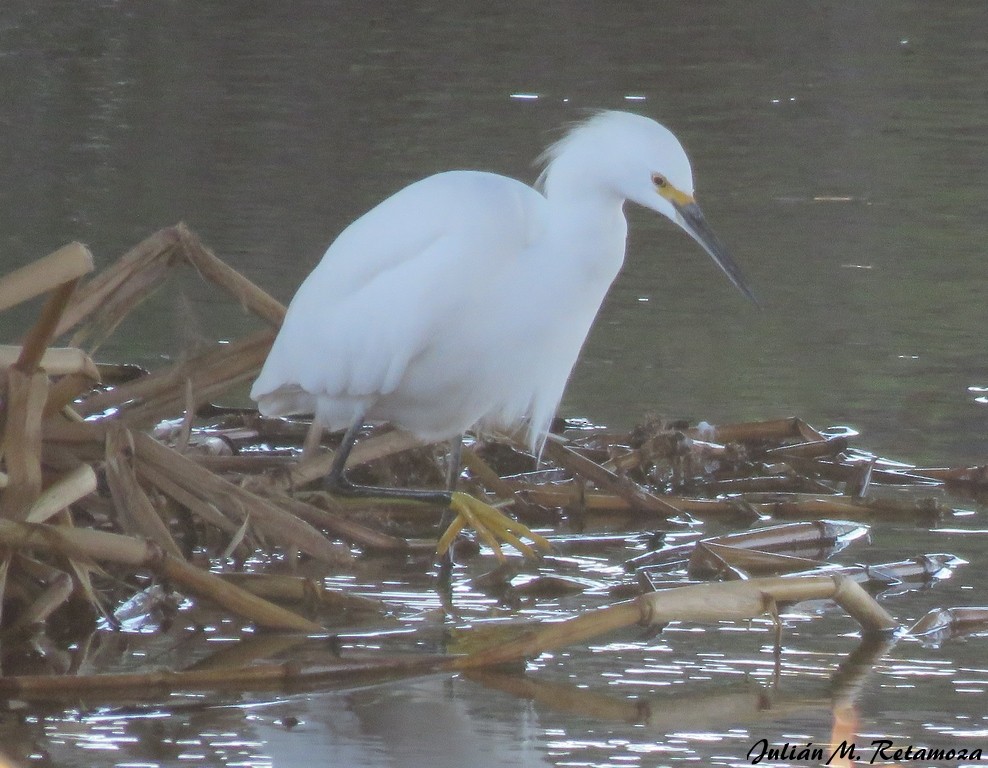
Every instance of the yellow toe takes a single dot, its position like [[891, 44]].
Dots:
[[492, 526]]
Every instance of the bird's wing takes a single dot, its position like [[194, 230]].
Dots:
[[376, 299]]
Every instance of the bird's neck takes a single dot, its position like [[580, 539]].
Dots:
[[588, 232]]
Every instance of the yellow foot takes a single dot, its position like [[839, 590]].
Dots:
[[492, 526]]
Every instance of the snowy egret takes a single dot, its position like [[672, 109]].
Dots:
[[462, 301]]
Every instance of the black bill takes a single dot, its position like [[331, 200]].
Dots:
[[694, 222]]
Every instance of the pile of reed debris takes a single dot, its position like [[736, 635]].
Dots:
[[112, 476]]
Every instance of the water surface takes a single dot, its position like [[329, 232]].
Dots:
[[838, 148]]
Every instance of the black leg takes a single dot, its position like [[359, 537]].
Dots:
[[452, 475], [337, 482]]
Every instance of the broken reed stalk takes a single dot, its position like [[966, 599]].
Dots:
[[67, 490], [65, 265], [719, 601], [56, 362], [109, 296], [234, 501], [104, 301], [272, 676], [86, 543], [27, 392], [775, 429], [249, 295], [163, 394], [636, 496], [134, 508]]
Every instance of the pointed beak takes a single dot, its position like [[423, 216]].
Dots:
[[692, 220]]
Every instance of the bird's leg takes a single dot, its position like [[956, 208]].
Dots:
[[452, 476], [337, 482], [454, 463], [492, 526]]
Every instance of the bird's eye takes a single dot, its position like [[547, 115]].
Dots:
[[659, 180]]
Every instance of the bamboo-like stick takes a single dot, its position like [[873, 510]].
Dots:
[[21, 445], [820, 533], [490, 479], [159, 684], [778, 429], [236, 501], [68, 263], [348, 530], [734, 600], [282, 589], [133, 505], [218, 272], [556, 450], [977, 476], [811, 449], [60, 361], [163, 392], [790, 506], [67, 490], [949, 622], [82, 543], [42, 333], [710, 558], [47, 602], [109, 296], [202, 508]]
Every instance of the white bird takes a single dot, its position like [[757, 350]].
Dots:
[[463, 300]]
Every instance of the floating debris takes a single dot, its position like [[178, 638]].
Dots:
[[124, 493]]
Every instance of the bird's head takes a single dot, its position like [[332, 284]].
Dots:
[[634, 158]]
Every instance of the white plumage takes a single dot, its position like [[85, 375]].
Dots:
[[462, 301]]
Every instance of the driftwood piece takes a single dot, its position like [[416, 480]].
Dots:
[[737, 600], [83, 543]]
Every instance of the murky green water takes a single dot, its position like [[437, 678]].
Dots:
[[839, 148]]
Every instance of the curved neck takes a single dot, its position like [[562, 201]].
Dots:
[[587, 230]]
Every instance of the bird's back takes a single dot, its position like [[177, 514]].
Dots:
[[377, 300]]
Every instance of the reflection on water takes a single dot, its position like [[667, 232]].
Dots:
[[840, 151]]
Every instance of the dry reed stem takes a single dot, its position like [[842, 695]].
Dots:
[[42, 333], [605, 479], [201, 508], [490, 479], [88, 544], [51, 598], [56, 362], [159, 684], [734, 600], [108, 297], [348, 530], [134, 508], [65, 391], [249, 295], [163, 393], [281, 588], [710, 558], [776, 429], [821, 533], [22, 437], [64, 492], [68, 263], [236, 502]]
